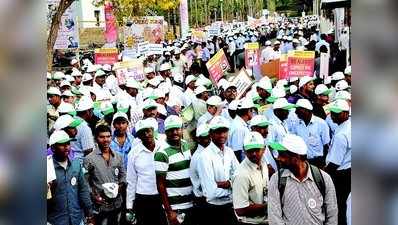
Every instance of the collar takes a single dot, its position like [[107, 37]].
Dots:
[[312, 121], [215, 149], [252, 165], [98, 151], [288, 173], [129, 137], [276, 119], [240, 120], [343, 125], [141, 147], [58, 165]]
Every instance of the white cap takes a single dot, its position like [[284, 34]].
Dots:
[[91, 68], [158, 93], [347, 70], [64, 83], [178, 77], [85, 103], [268, 43], [120, 115], [67, 93], [293, 89], [172, 121], [131, 83], [111, 189], [322, 89], [304, 103], [281, 83], [122, 105], [167, 53], [293, 79], [253, 140], [202, 81], [277, 42], [147, 93], [295, 40], [282, 103], [341, 85], [87, 77], [177, 51], [328, 80], [48, 75], [345, 95], [69, 78], [339, 106], [259, 120], [66, 121], [203, 130], [265, 83], [162, 109], [245, 103], [143, 124], [65, 107], [228, 85], [200, 90], [218, 122], [221, 83], [338, 76], [76, 73], [290, 38], [294, 144], [233, 105], [189, 79], [73, 62], [58, 75], [58, 136], [148, 70], [149, 103], [106, 107], [107, 67], [214, 100], [99, 73], [54, 91], [164, 67], [304, 80]]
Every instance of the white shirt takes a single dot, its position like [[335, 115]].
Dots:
[[205, 118], [215, 166], [141, 177], [194, 171], [231, 47], [239, 129], [340, 148], [266, 54]]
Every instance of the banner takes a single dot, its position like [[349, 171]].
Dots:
[[300, 63], [283, 66], [147, 28], [184, 18], [198, 36], [213, 31], [155, 49], [106, 55], [129, 54], [252, 54], [217, 65], [270, 69], [68, 33], [129, 69], [324, 67], [110, 24], [143, 48], [242, 82]]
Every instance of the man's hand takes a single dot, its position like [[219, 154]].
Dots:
[[172, 218], [98, 199], [90, 220], [223, 184]]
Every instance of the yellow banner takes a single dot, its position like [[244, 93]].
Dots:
[[251, 46], [106, 50], [302, 54]]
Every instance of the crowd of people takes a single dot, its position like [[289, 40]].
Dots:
[[179, 148]]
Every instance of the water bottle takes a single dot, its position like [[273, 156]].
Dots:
[[130, 218]]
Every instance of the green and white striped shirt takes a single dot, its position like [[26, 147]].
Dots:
[[174, 163]]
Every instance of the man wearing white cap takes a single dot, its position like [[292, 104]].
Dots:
[[213, 104], [314, 131], [180, 65], [164, 71], [189, 92], [101, 90], [199, 105], [316, 203], [121, 138], [107, 178], [240, 127], [278, 118], [203, 140], [250, 183], [321, 99], [216, 167], [54, 100], [84, 143], [69, 185], [306, 89], [266, 53], [338, 160], [143, 198], [75, 63], [172, 174], [77, 75]]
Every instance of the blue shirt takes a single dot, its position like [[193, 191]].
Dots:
[[239, 129], [124, 149], [287, 47], [71, 199], [315, 135], [84, 140], [340, 149]]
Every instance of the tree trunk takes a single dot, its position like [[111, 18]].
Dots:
[[52, 36]]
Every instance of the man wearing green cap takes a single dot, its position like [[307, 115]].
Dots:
[[249, 186], [300, 194], [172, 174]]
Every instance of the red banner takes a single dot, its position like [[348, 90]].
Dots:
[[110, 21], [300, 63], [106, 56], [283, 66]]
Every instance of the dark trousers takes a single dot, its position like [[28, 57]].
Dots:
[[189, 216], [342, 183], [200, 211], [108, 218], [148, 210], [221, 214]]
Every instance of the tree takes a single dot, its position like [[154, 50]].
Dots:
[[53, 32]]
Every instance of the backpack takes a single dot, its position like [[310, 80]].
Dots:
[[318, 179]]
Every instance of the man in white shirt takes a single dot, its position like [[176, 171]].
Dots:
[[213, 108], [216, 167], [266, 53], [142, 195]]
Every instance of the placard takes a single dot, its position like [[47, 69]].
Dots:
[[242, 82], [283, 66], [106, 56], [143, 48], [155, 49], [252, 54], [132, 68], [300, 63], [270, 69], [146, 28], [217, 65]]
